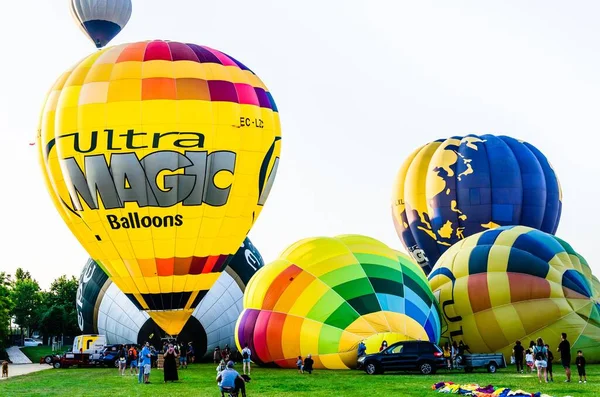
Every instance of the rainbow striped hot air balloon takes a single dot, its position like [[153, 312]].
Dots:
[[452, 188], [323, 296], [517, 283]]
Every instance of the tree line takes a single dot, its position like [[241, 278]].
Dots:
[[31, 309]]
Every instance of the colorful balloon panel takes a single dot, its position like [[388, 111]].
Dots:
[[452, 188], [517, 283], [160, 156], [102, 308], [101, 20], [322, 296]]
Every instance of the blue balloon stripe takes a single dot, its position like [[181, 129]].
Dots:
[[575, 281], [526, 263], [533, 181], [416, 301], [414, 312], [553, 205], [478, 259], [539, 244], [505, 175]]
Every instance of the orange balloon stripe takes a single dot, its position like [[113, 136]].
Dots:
[[281, 282], [479, 295]]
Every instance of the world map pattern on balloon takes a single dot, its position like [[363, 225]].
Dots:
[[517, 283], [323, 296], [452, 188], [160, 156]]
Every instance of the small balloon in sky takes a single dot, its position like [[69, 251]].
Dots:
[[101, 20]]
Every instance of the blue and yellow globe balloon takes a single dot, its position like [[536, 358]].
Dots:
[[517, 283], [322, 296], [159, 156], [452, 188]]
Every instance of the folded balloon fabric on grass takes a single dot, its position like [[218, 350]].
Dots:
[[482, 391]]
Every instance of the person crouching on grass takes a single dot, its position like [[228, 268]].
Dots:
[[580, 362]]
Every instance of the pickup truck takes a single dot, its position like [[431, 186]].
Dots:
[[491, 362]]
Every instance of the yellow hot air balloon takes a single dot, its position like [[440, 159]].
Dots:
[[159, 156]]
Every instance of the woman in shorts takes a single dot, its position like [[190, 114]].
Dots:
[[540, 355]]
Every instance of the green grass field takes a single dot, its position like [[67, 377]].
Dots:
[[34, 353], [199, 380]]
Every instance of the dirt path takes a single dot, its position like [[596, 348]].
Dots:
[[24, 369]]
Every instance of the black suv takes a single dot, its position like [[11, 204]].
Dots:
[[413, 355]]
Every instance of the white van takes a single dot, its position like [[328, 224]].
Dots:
[[89, 343]]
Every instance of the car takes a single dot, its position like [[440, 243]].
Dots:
[[110, 355], [30, 342], [422, 356]]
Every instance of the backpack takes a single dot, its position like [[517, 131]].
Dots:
[[245, 355], [539, 354]]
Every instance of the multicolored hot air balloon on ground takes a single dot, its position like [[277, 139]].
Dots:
[[103, 309], [101, 20], [323, 296], [517, 283], [453, 188], [159, 156]]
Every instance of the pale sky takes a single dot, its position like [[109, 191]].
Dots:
[[359, 85]]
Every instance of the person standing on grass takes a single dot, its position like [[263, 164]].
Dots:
[[122, 361], [518, 351], [217, 357], [246, 353], [170, 365], [300, 365], [147, 362], [580, 362], [454, 353], [549, 375], [448, 355], [540, 355], [564, 348], [183, 355], [140, 361], [132, 357], [191, 353], [308, 364], [362, 349]]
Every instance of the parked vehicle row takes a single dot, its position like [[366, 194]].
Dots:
[[424, 357]]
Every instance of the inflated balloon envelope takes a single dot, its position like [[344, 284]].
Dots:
[[517, 283], [323, 296], [159, 156]]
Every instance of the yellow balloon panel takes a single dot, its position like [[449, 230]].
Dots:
[[159, 156]]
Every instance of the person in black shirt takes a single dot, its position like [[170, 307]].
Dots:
[[549, 375], [308, 364], [518, 351], [564, 347], [580, 362]]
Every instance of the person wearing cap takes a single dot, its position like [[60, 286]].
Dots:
[[230, 378]]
